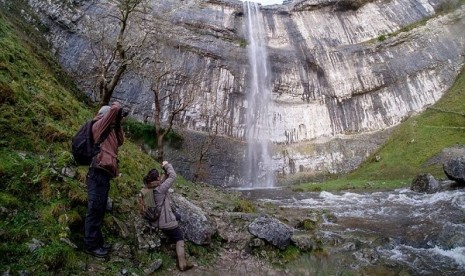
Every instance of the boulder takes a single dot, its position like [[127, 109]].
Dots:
[[455, 170], [271, 230], [195, 224], [425, 183]]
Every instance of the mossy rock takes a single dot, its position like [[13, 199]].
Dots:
[[244, 206], [307, 224]]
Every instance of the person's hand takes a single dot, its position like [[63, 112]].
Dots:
[[164, 163]]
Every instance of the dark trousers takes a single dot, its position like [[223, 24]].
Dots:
[[98, 185], [174, 235]]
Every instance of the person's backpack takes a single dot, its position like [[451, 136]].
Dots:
[[147, 205], [83, 147]]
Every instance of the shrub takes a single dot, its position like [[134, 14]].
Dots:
[[244, 206]]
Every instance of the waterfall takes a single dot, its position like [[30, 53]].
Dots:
[[258, 165]]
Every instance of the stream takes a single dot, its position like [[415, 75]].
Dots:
[[404, 231]]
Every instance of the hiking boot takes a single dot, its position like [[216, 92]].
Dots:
[[183, 265], [99, 252], [107, 246]]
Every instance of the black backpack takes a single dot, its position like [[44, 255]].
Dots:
[[83, 147]]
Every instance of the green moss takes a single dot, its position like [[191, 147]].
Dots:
[[307, 224], [8, 200], [244, 206], [56, 255], [291, 253]]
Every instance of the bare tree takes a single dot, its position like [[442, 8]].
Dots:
[[174, 93], [117, 40], [204, 147]]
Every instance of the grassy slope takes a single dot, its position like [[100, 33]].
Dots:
[[39, 112]]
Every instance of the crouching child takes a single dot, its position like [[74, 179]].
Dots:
[[155, 205]]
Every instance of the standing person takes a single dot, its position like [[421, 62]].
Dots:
[[167, 221], [103, 168]]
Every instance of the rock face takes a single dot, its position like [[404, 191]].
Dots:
[[341, 70]]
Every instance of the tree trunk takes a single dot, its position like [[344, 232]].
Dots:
[[160, 150]]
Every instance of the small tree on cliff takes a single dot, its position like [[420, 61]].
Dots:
[[117, 40], [201, 150], [215, 115], [174, 92]]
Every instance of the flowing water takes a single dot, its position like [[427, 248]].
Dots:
[[258, 165], [411, 233]]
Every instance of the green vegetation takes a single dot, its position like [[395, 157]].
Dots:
[[145, 133], [244, 206], [382, 38], [40, 110]]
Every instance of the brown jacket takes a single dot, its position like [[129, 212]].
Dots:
[[106, 159], [167, 219]]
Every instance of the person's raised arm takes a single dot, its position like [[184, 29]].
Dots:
[[166, 185], [108, 118]]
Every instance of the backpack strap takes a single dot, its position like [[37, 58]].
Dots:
[[100, 140], [104, 135]]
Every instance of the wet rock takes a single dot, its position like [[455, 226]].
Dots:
[[425, 183], [271, 230], [68, 242], [455, 170], [124, 232], [34, 245], [350, 246], [69, 172], [109, 206], [256, 242], [121, 252], [367, 255], [195, 224], [447, 185], [231, 229], [153, 267]]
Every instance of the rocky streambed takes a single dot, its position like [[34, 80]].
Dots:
[[383, 232]]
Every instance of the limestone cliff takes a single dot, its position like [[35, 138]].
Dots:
[[343, 72]]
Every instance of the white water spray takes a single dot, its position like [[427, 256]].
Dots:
[[259, 163]]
